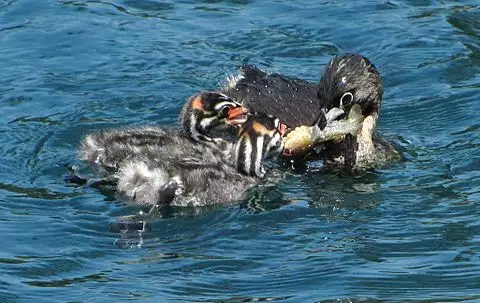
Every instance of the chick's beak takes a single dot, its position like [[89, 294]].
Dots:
[[282, 128], [237, 115]]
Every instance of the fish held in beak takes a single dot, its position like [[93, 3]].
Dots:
[[301, 139]]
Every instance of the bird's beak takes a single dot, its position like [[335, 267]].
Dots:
[[282, 128], [334, 114], [237, 115]]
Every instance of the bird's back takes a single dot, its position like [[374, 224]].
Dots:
[[294, 101], [111, 147], [206, 172]]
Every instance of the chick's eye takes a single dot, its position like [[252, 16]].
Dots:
[[224, 111]]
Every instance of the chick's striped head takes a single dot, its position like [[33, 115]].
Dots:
[[206, 110], [261, 137]]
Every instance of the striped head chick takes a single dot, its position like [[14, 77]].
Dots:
[[260, 138], [206, 110]]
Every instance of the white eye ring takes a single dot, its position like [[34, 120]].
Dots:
[[224, 97], [346, 95], [221, 105]]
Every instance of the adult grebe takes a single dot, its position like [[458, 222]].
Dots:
[[346, 80]]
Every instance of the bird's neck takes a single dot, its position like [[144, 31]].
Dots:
[[248, 156]]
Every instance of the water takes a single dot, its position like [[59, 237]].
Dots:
[[406, 233]]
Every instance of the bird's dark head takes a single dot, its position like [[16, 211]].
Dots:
[[351, 79], [206, 110], [259, 138]]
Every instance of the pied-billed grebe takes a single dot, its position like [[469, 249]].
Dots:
[[202, 174], [200, 114], [346, 80]]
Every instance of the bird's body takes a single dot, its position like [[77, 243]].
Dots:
[[203, 174], [294, 101], [203, 179], [107, 149], [346, 80], [186, 166]]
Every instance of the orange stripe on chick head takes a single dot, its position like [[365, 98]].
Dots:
[[197, 103], [260, 129]]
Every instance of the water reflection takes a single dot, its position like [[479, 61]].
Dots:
[[143, 8]]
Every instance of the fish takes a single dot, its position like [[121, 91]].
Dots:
[[301, 139]]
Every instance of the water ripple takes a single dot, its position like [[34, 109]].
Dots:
[[404, 233]]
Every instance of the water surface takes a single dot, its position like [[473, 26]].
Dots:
[[406, 233]]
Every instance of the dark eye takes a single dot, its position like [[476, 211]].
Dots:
[[346, 99], [224, 111]]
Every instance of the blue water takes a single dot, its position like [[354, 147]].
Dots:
[[407, 233]]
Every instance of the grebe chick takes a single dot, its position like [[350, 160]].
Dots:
[[212, 177], [201, 113], [346, 80]]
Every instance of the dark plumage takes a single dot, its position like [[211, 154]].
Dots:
[[201, 113], [202, 173], [294, 101], [346, 80]]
